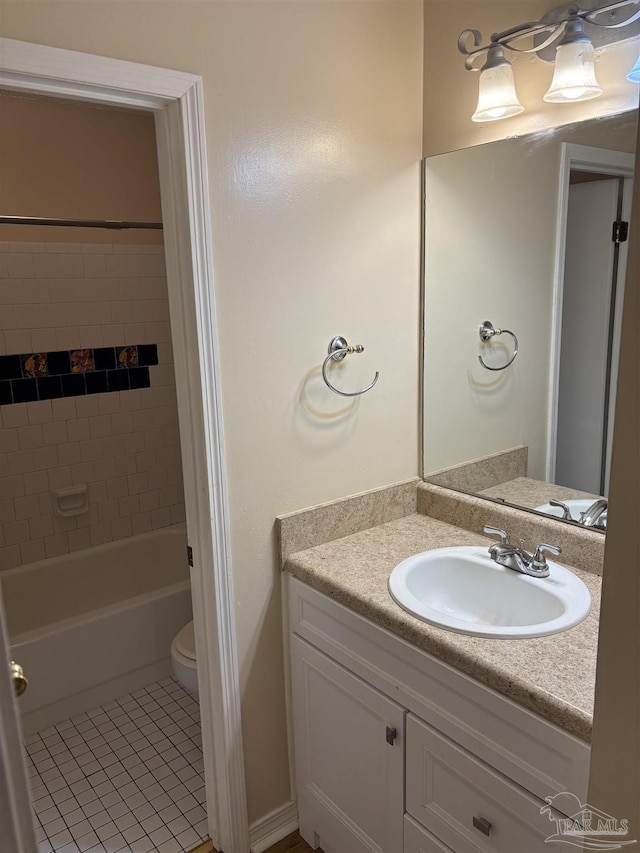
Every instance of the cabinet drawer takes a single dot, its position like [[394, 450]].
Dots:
[[465, 803], [418, 840]]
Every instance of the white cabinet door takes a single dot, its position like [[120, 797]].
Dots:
[[349, 744]]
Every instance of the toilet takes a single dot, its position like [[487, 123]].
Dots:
[[183, 658]]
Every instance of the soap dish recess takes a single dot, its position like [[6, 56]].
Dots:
[[72, 500]]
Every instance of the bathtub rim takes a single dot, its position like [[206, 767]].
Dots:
[[105, 547], [97, 613]]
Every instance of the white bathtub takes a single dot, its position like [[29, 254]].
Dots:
[[93, 625]]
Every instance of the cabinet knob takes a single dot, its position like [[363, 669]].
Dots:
[[482, 824], [391, 735]]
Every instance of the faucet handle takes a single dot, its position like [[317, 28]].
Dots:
[[539, 559], [496, 531], [566, 512]]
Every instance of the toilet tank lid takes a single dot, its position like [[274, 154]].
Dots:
[[186, 641]]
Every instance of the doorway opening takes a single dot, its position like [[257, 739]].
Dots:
[[594, 211], [97, 541], [174, 99]]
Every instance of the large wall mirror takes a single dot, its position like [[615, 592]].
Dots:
[[520, 233]]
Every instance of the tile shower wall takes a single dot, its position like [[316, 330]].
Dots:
[[124, 445]]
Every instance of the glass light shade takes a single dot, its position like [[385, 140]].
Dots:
[[634, 75], [574, 77], [497, 93]]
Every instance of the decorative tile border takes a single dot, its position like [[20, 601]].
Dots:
[[27, 377]]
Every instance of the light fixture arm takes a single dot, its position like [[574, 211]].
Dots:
[[471, 46], [588, 16], [506, 40]]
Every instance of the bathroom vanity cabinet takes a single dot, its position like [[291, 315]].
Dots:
[[398, 751]]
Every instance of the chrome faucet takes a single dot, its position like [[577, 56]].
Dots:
[[515, 557], [592, 516]]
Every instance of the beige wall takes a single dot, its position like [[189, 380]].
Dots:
[[314, 119], [70, 160], [451, 92]]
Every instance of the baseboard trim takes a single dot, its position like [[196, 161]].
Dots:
[[275, 826]]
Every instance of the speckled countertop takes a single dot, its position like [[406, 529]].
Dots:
[[553, 676]]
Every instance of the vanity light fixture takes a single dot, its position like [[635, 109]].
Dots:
[[566, 36], [497, 96], [574, 76]]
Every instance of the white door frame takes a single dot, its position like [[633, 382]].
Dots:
[[586, 159], [175, 98]]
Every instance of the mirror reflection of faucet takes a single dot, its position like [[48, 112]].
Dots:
[[585, 513], [515, 557], [566, 512], [592, 516]]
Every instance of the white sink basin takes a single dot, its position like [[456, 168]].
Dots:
[[576, 508], [464, 590]]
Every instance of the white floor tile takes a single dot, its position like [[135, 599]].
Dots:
[[178, 825], [114, 844], [99, 819], [118, 810], [170, 813], [124, 777], [53, 827], [125, 822], [160, 835], [80, 829], [188, 839], [133, 833], [106, 831], [60, 839], [71, 818], [87, 841], [48, 811], [69, 848], [133, 798], [142, 845], [171, 846], [149, 824]]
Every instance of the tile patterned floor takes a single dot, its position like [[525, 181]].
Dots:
[[124, 777]]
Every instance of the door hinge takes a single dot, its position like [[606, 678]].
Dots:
[[620, 231], [190, 555]]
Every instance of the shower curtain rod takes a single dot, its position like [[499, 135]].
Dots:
[[112, 224]]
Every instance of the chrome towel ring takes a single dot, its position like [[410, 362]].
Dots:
[[339, 349], [487, 331]]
